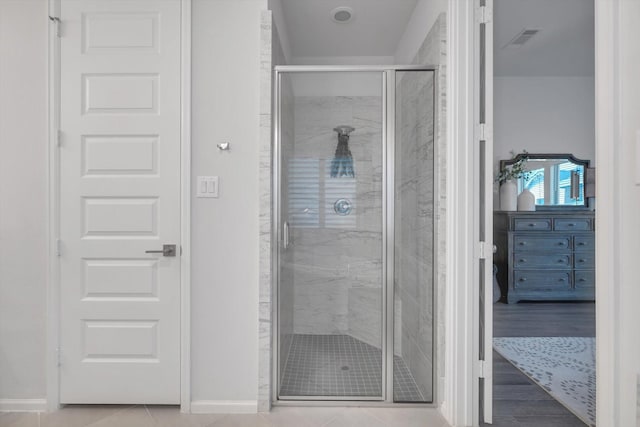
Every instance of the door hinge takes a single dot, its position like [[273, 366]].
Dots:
[[484, 132], [58, 358], [483, 250], [56, 22], [58, 138], [481, 368], [58, 247], [485, 15]]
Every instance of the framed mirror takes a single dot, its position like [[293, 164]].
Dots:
[[557, 181]]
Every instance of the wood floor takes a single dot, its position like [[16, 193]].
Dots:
[[518, 401]]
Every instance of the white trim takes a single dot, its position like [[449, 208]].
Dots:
[[53, 214], [224, 407], [486, 365], [607, 195], [23, 405], [185, 210], [461, 385]]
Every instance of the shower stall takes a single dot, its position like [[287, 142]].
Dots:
[[354, 195]]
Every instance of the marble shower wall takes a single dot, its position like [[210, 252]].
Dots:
[[433, 52], [420, 211], [414, 224], [269, 51], [336, 261]]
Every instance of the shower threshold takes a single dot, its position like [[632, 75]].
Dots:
[[322, 367]]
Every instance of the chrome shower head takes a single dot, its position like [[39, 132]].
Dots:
[[342, 163]]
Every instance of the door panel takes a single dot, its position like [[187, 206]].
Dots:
[[120, 197]]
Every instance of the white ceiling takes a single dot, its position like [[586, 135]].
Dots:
[[375, 30], [563, 47]]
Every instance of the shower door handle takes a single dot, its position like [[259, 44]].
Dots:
[[285, 234]]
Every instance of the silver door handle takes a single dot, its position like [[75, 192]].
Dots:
[[167, 250]]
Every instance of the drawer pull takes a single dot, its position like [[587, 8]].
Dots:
[[532, 224], [522, 260], [523, 279], [561, 280], [582, 260], [522, 243], [560, 243], [571, 224], [581, 244], [582, 280], [560, 260]]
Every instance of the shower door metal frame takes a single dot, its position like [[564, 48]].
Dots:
[[388, 87]]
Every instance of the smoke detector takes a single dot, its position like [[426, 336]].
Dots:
[[341, 15], [523, 37]]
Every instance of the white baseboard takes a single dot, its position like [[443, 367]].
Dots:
[[224, 407], [23, 405]]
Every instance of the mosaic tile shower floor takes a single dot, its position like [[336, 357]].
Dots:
[[340, 365]]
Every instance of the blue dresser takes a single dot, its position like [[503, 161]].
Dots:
[[545, 255]]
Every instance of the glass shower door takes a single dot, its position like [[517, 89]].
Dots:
[[330, 255], [414, 228]]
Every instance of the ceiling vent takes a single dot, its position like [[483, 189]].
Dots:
[[522, 37], [342, 14]]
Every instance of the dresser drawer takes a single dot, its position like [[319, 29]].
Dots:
[[572, 224], [585, 279], [539, 243], [537, 280], [532, 224], [585, 260], [527, 260], [584, 243]]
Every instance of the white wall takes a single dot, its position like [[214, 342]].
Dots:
[[225, 230], [341, 60], [424, 16], [544, 115], [23, 201], [226, 100]]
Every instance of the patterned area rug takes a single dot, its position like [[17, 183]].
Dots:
[[564, 366]]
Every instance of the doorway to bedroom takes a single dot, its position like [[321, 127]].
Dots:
[[544, 213]]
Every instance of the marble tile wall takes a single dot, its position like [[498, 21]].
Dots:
[[337, 268], [434, 52], [420, 210], [269, 55]]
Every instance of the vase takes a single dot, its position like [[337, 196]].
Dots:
[[526, 201], [508, 196]]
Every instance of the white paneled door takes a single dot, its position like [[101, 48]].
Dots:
[[120, 197]]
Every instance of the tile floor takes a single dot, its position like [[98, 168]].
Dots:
[[340, 365], [170, 416]]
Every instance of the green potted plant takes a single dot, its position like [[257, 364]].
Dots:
[[508, 177]]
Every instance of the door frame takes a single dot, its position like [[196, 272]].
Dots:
[[461, 396], [52, 353]]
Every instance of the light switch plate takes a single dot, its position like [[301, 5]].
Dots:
[[207, 187]]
